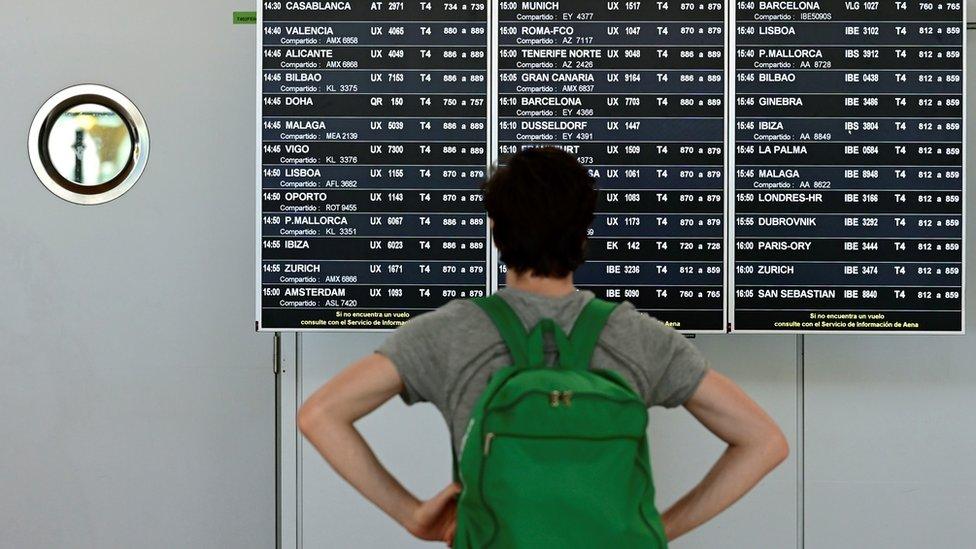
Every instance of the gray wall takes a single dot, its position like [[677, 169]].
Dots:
[[136, 401]]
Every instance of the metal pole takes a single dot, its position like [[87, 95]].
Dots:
[[298, 442], [287, 440], [800, 441], [277, 434]]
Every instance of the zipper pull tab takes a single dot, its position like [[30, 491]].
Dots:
[[554, 399], [488, 438]]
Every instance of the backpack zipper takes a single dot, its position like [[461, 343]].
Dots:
[[555, 397], [490, 437], [566, 397], [487, 445]]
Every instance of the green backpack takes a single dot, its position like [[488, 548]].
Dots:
[[556, 456]]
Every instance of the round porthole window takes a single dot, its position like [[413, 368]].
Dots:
[[88, 144]]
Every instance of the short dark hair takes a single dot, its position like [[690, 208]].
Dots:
[[542, 204]]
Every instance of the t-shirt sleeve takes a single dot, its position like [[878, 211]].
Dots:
[[673, 367], [417, 350], [682, 375]]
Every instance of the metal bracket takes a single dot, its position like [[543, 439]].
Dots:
[[276, 368]]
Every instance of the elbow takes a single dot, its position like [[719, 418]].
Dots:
[[311, 416], [777, 449]]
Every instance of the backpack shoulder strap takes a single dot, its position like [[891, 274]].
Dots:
[[509, 326], [586, 331]]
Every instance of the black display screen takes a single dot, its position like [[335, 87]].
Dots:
[[635, 90], [763, 166], [848, 200], [374, 144]]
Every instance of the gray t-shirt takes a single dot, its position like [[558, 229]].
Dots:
[[446, 356]]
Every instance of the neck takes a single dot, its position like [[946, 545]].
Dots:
[[542, 285]]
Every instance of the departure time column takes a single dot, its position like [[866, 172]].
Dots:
[[374, 145]]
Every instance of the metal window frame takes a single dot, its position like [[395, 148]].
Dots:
[[69, 190]]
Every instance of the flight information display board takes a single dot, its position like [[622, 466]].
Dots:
[[848, 201], [784, 166], [374, 143], [634, 90]]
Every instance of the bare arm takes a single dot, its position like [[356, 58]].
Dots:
[[326, 419], [755, 447]]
